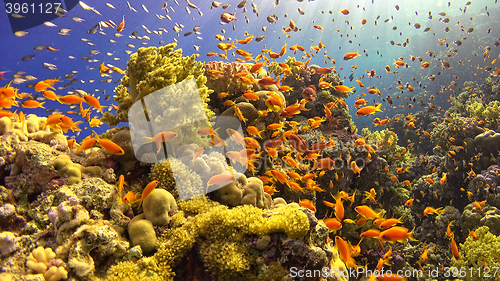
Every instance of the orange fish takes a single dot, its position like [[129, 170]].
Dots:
[[345, 12], [147, 190], [431, 210], [121, 181], [32, 104], [367, 110], [109, 145], [368, 212], [454, 248], [344, 252], [350, 56], [121, 25], [130, 197], [221, 179], [333, 224], [266, 81], [307, 204], [42, 86], [92, 101], [396, 233], [162, 137], [70, 99], [370, 233]]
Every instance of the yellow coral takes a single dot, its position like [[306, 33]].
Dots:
[[39, 262], [217, 227]]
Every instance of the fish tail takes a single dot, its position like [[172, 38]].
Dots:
[[41, 105], [377, 108], [410, 235]]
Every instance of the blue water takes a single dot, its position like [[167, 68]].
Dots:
[[372, 41]]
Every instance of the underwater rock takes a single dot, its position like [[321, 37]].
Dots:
[[91, 247], [142, 233], [159, 206], [33, 159], [7, 243], [244, 191], [66, 217]]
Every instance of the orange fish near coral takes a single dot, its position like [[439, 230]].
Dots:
[[367, 110], [396, 233], [162, 137], [109, 145], [221, 179], [147, 190]]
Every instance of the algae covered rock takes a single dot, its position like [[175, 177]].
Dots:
[[142, 233], [158, 207]]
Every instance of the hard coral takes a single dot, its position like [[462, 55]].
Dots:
[[243, 192], [40, 262], [226, 82], [142, 233], [159, 206], [476, 252], [151, 69]]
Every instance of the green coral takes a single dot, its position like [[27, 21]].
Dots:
[[474, 253], [217, 227], [152, 69], [66, 167], [489, 113], [389, 147], [128, 271]]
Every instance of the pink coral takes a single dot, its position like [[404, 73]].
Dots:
[[226, 82]]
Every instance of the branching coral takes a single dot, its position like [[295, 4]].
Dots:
[[217, 226], [152, 69], [476, 253]]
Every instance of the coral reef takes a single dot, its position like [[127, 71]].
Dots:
[[152, 69], [226, 81], [42, 261], [244, 191], [474, 253], [485, 186], [33, 128]]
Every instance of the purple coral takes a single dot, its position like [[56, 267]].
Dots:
[[485, 186]]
